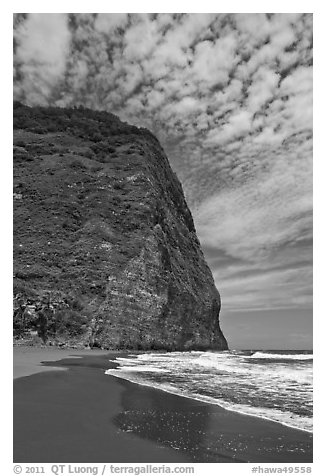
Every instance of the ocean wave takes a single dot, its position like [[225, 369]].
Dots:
[[145, 368], [274, 386], [284, 418], [266, 355]]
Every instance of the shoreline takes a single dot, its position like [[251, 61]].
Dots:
[[27, 360], [213, 403], [85, 415]]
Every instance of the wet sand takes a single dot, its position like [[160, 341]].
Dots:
[[82, 415]]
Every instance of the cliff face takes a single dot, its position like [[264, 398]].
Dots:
[[102, 232]]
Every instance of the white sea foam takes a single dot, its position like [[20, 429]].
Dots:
[[278, 390], [144, 368], [266, 355]]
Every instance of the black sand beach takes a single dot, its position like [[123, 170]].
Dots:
[[82, 415]]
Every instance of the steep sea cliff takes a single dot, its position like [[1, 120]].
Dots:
[[105, 248]]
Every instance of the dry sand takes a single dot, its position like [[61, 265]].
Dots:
[[28, 360]]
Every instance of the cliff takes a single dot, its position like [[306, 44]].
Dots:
[[105, 248]]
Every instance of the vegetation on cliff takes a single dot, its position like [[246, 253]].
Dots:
[[105, 249]]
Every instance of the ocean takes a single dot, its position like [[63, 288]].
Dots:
[[274, 385]]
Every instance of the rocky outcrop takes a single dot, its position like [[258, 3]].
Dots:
[[102, 222]]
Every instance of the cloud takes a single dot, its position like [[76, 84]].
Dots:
[[262, 88], [140, 39], [271, 289], [238, 124], [251, 220], [108, 24], [230, 98], [213, 61], [43, 47]]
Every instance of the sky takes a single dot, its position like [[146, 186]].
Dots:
[[230, 98]]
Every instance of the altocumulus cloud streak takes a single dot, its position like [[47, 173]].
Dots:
[[230, 98]]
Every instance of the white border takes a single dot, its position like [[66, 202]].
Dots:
[[319, 197]]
